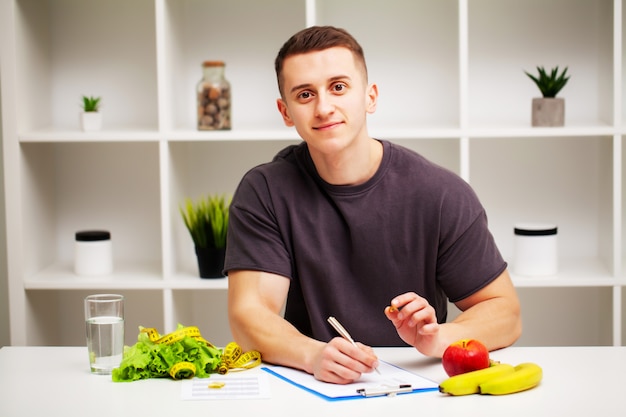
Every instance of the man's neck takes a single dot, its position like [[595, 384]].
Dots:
[[353, 166]]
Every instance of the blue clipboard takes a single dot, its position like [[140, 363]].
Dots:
[[392, 380]]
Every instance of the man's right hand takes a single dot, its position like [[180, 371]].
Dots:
[[340, 362]]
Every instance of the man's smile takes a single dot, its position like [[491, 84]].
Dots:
[[327, 126]]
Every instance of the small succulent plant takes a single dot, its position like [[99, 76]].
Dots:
[[550, 84], [91, 104]]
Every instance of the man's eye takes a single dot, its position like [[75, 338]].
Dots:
[[304, 95], [339, 87]]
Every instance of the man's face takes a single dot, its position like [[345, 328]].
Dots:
[[326, 98]]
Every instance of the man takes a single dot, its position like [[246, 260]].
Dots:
[[349, 226]]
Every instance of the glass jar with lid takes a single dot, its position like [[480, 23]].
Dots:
[[214, 98]]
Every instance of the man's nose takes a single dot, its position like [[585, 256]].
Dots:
[[325, 105]]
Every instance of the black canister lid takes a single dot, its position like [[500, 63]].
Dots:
[[535, 229], [92, 235]]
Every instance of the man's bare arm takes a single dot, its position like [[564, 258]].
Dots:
[[255, 300]]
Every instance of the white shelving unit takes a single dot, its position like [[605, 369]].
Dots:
[[452, 87]]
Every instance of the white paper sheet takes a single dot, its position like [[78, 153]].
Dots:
[[390, 376], [237, 386]]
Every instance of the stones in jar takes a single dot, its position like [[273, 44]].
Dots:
[[214, 98]]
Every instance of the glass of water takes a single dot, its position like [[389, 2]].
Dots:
[[104, 317]]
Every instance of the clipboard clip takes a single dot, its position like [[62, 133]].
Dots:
[[389, 391]]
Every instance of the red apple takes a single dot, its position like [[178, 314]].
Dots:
[[465, 355]]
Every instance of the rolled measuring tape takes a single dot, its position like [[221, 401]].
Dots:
[[233, 358], [183, 370]]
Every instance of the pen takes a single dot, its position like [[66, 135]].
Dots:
[[344, 333]]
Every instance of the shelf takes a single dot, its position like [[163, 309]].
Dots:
[[522, 131], [60, 135], [193, 282], [126, 276], [572, 273], [129, 276], [452, 87], [236, 134], [290, 134]]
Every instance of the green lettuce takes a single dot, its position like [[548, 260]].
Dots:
[[146, 359]]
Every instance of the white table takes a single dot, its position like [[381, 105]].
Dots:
[[55, 381]]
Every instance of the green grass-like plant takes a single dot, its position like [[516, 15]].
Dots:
[[91, 104], [550, 84], [207, 220]]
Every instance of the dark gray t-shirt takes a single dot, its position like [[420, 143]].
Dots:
[[348, 250]]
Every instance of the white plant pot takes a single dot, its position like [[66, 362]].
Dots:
[[90, 121]]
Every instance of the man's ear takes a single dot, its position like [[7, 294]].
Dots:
[[372, 98], [282, 108]]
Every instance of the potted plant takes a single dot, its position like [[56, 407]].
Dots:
[[91, 118], [549, 110], [207, 222]]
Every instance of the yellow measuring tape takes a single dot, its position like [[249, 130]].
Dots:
[[233, 357], [175, 336]]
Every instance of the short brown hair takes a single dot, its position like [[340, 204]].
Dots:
[[317, 38]]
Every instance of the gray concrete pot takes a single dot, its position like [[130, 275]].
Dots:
[[548, 112]]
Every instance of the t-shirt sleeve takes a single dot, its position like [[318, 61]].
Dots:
[[254, 240], [469, 258]]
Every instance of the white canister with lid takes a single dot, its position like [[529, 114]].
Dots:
[[535, 249], [93, 253]]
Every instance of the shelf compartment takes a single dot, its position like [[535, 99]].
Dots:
[[57, 318], [201, 168], [502, 45], [67, 49], [414, 91], [207, 310], [566, 181], [235, 32], [78, 186], [544, 315]]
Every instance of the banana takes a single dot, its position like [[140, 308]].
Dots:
[[467, 383], [526, 376]]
